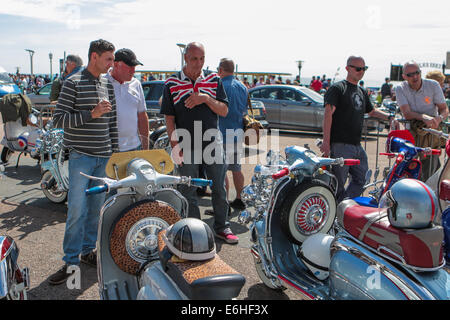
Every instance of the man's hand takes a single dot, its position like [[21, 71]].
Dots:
[[431, 122], [195, 99], [101, 108], [177, 154], [325, 149]]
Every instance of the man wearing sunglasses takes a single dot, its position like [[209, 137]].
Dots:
[[345, 106], [422, 102]]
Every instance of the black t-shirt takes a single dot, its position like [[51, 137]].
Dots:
[[178, 88], [351, 102]]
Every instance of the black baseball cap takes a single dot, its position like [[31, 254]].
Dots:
[[127, 56]]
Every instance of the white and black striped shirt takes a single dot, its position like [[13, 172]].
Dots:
[[79, 95]]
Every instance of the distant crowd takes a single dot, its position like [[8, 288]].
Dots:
[[27, 83]]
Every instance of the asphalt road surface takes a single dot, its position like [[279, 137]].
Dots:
[[38, 226]]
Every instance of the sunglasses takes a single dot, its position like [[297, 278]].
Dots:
[[358, 69], [412, 74]]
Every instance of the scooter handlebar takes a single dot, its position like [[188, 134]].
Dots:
[[201, 182], [283, 172], [97, 189], [351, 162], [436, 151]]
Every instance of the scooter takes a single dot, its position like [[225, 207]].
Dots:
[[361, 257], [55, 168], [14, 281], [399, 145], [22, 139], [132, 262], [309, 191]]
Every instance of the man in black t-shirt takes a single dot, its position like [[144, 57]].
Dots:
[[192, 103], [345, 106]]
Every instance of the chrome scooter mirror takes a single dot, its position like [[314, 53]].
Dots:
[[368, 176], [33, 119]]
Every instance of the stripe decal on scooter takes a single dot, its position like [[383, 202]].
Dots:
[[296, 287]]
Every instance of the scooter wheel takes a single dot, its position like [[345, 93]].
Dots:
[[6, 154], [134, 235], [52, 193], [309, 209]]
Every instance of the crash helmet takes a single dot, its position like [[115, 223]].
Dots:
[[315, 253], [190, 239], [410, 203]]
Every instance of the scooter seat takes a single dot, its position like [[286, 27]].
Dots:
[[212, 279], [420, 248]]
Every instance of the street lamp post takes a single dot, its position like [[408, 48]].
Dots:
[[182, 47], [50, 56], [299, 64], [31, 52]]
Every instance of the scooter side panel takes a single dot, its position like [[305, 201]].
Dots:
[[358, 274]]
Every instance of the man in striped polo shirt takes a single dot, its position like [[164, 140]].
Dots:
[[86, 110]]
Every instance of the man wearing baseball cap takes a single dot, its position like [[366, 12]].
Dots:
[[131, 109]]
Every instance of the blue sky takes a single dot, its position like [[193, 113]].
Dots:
[[264, 35]]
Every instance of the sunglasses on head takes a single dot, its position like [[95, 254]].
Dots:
[[358, 69], [412, 74]]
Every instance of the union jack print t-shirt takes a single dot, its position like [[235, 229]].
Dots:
[[178, 88]]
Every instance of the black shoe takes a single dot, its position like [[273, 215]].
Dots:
[[238, 204], [90, 259], [59, 276]]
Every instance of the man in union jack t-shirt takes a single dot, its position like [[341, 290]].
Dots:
[[192, 103]]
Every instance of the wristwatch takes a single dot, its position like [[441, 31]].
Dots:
[[442, 118]]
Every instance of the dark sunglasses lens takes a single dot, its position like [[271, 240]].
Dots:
[[411, 74]]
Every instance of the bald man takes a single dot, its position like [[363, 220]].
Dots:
[[192, 103], [345, 105], [422, 101]]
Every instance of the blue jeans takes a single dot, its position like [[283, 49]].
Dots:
[[83, 211], [357, 173]]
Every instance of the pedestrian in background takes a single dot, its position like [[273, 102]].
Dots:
[[132, 119]]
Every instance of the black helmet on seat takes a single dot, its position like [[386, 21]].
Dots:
[[190, 239]]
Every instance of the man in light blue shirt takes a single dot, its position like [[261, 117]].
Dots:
[[231, 127]]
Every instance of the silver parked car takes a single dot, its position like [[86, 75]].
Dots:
[[42, 96], [293, 107]]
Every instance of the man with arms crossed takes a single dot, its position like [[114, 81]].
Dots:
[[422, 101]]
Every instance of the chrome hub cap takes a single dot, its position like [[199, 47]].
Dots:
[[142, 238], [311, 213]]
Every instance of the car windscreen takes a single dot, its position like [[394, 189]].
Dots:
[[5, 78], [312, 94], [153, 92]]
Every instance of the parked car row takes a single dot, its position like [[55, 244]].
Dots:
[[276, 106]]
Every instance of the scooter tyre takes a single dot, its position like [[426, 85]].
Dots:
[[53, 195], [303, 197], [6, 154]]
